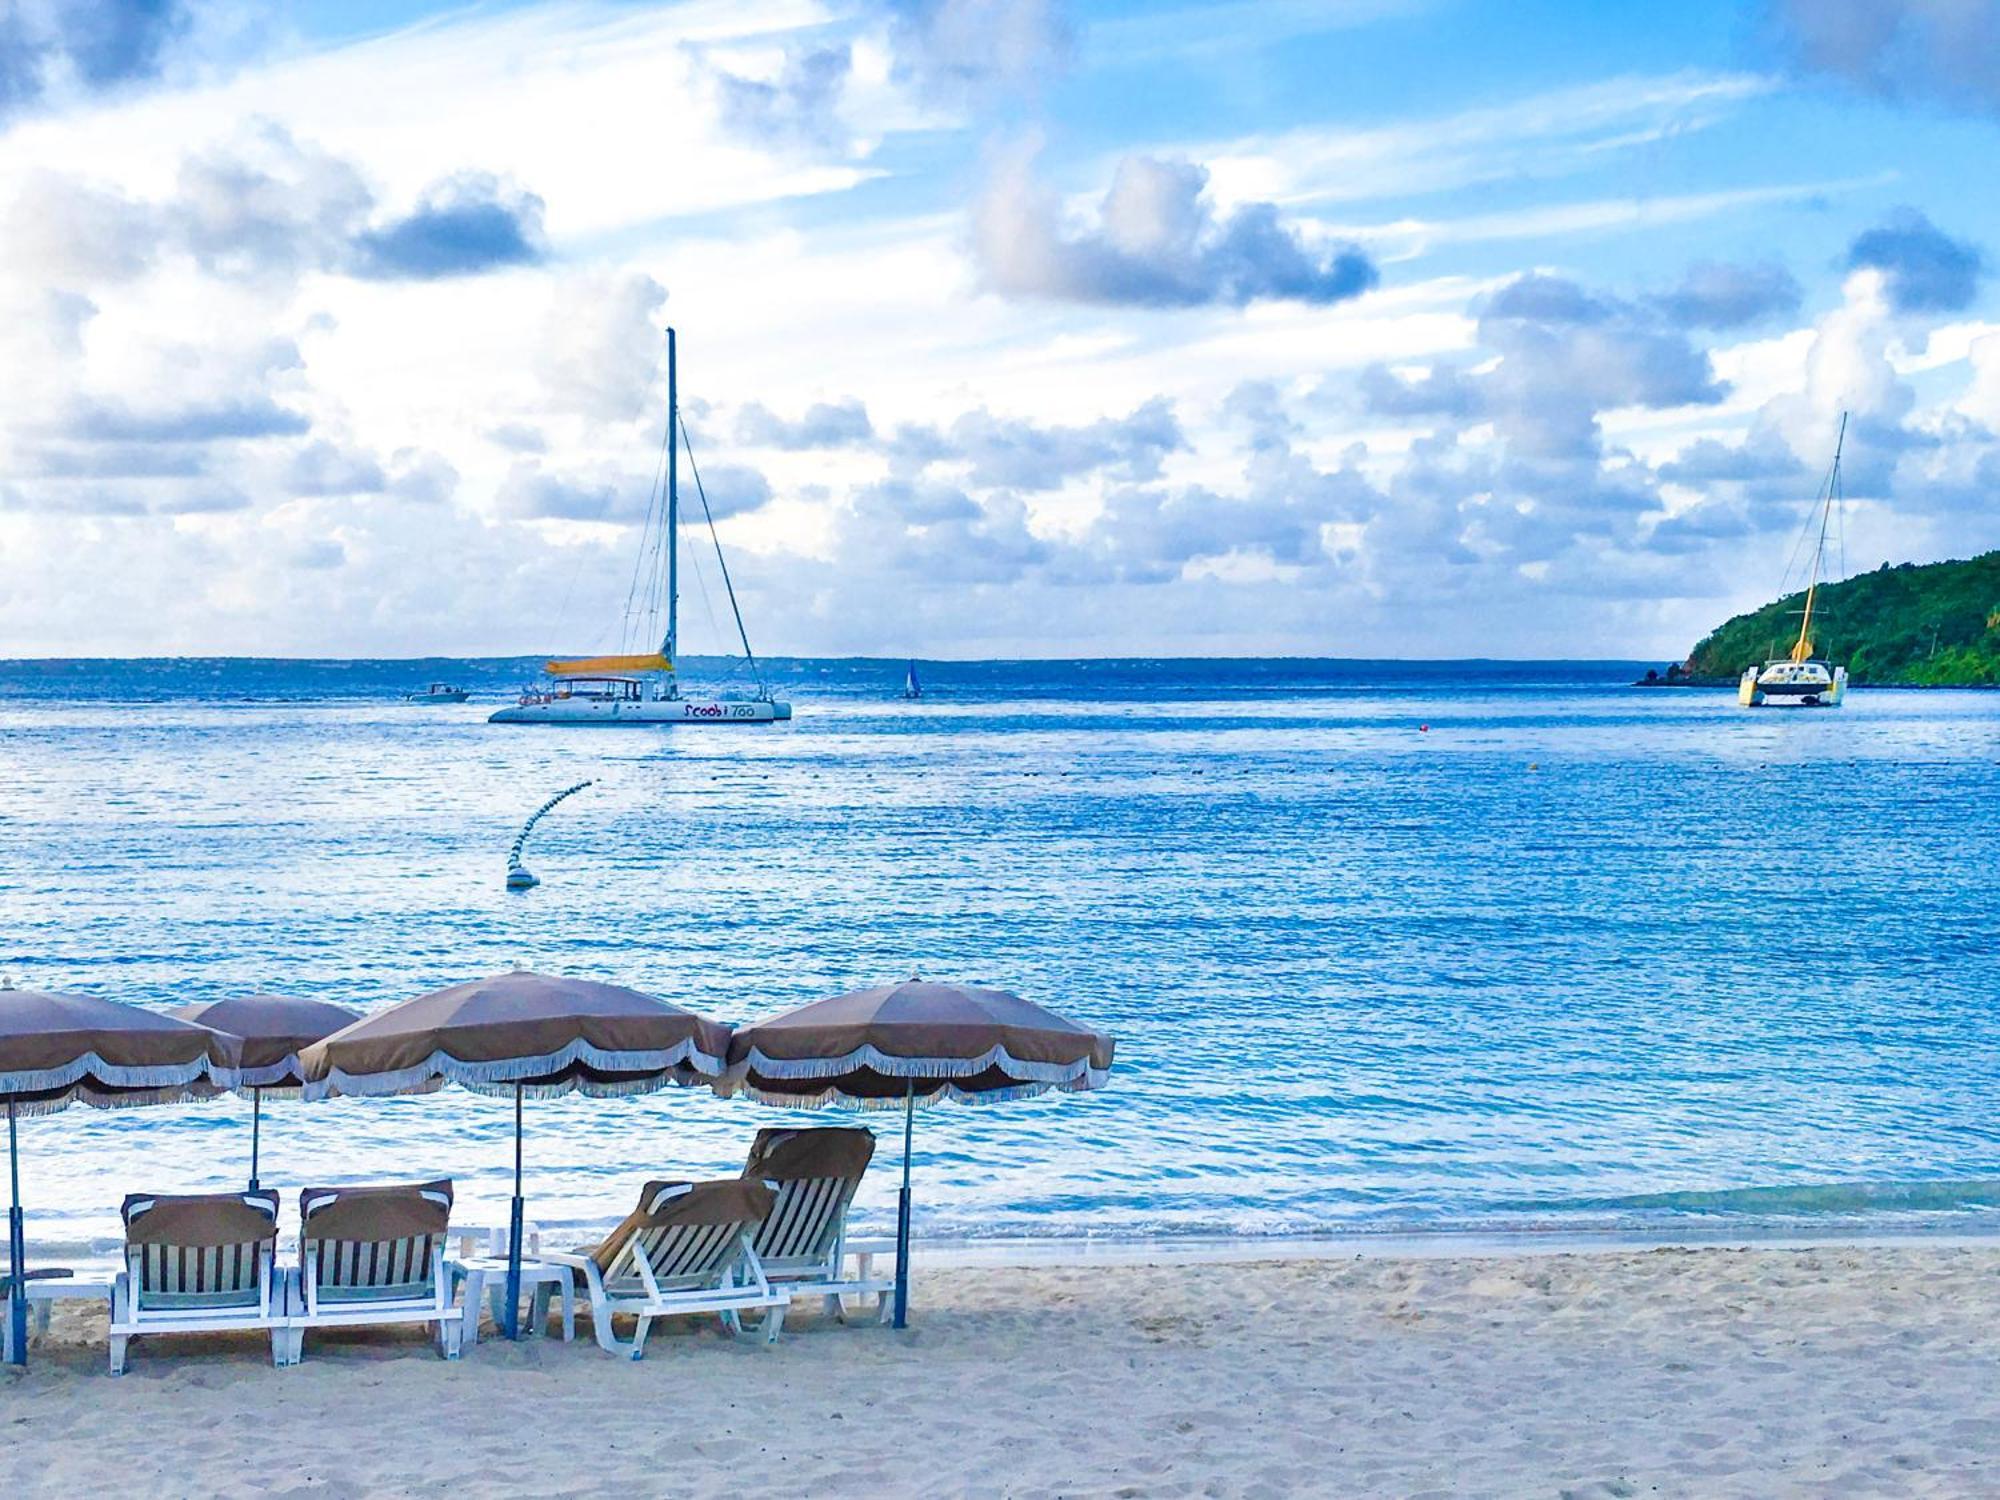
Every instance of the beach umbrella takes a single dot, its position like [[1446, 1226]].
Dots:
[[519, 1035], [910, 1044], [59, 1050], [274, 1030]]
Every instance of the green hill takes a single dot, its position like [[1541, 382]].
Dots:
[[1934, 625]]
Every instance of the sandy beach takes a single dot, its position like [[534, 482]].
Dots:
[[1837, 1371]]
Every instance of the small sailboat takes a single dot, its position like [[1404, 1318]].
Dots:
[[912, 689], [1802, 679], [641, 688]]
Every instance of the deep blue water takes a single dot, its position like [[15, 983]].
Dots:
[[1385, 945]]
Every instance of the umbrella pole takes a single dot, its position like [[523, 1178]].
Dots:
[[903, 1213], [256, 1121], [514, 1223], [17, 1252]]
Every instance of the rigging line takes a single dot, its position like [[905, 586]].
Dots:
[[720, 562], [640, 571]]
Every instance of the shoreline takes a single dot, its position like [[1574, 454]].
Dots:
[[947, 1252], [1711, 1371]]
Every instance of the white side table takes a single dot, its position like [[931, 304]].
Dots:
[[89, 1284], [487, 1275]]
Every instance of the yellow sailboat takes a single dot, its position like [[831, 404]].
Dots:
[[1802, 679]]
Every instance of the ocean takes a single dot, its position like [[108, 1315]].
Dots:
[[1386, 946]]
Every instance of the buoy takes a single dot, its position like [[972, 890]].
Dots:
[[518, 877], [1423, 729]]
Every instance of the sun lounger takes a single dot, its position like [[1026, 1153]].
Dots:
[[375, 1255], [802, 1243], [684, 1249], [198, 1264]]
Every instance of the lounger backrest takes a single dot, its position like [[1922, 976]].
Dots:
[[688, 1233], [373, 1244], [815, 1173], [199, 1250]]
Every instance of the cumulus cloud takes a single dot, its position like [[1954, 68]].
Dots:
[[1022, 455], [731, 490], [801, 104], [531, 492], [961, 48], [1156, 241], [204, 422], [462, 226], [602, 344], [1923, 268], [825, 424], [49, 47], [1943, 51], [1721, 294], [325, 468]]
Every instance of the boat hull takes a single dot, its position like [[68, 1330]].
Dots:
[[1755, 692], [644, 712]]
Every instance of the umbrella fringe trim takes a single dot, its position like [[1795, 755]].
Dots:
[[83, 1093], [838, 1098], [921, 1068], [503, 1075], [90, 1068]]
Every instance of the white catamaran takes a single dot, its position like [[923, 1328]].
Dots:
[[1801, 679], [641, 689]]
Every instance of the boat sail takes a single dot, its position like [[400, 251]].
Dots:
[[912, 688], [641, 688], [1801, 679]]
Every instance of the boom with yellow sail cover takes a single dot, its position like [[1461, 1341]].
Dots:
[[610, 666]]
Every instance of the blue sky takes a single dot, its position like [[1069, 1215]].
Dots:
[[1389, 327]]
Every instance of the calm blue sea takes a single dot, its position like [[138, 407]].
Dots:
[[1385, 945]]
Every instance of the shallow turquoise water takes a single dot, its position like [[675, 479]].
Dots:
[[1572, 955]]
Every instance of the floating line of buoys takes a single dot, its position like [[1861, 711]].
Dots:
[[518, 877]]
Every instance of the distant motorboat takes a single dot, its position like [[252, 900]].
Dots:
[[912, 688], [640, 688], [437, 692], [1801, 679]]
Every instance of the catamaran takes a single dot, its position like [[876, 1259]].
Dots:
[[641, 688], [1803, 680]]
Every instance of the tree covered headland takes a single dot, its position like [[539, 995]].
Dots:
[[1929, 624]]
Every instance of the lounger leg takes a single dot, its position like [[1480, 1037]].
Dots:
[[118, 1342], [121, 1296], [774, 1319], [732, 1322], [41, 1311], [639, 1337], [539, 1318], [831, 1306], [569, 1312]]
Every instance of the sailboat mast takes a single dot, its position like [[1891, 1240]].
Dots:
[[670, 647], [1802, 649]]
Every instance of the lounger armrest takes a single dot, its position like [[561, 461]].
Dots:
[[571, 1261]]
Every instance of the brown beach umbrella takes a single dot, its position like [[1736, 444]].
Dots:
[[274, 1030], [909, 1044], [59, 1050], [519, 1034]]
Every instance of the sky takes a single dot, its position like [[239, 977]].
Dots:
[[1364, 328]]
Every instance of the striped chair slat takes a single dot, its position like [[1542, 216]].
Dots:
[[806, 1220]]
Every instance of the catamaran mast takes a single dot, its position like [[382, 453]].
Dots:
[[1802, 648], [670, 647]]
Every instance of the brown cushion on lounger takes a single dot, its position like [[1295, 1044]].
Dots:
[[200, 1218], [729, 1200], [784, 1154], [375, 1213]]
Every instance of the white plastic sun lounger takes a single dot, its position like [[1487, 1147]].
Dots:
[[802, 1243], [198, 1264], [684, 1249], [375, 1255]]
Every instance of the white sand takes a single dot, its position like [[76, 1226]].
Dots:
[[1707, 1372]]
